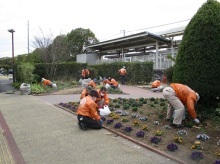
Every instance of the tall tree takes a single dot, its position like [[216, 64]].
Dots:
[[78, 38], [197, 62], [43, 42]]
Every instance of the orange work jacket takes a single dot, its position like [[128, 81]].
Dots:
[[106, 81], [47, 82], [85, 72], [105, 97], [122, 71], [88, 108], [114, 82], [155, 84], [92, 84], [84, 94], [187, 96]]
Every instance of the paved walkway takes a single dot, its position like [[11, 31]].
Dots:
[[38, 132]]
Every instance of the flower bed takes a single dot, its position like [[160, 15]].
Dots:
[[144, 121]]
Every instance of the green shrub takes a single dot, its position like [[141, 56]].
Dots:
[[25, 73], [197, 62]]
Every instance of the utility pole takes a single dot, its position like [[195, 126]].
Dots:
[[123, 55], [123, 32], [12, 40]]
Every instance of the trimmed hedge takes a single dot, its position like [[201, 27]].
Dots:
[[138, 72]]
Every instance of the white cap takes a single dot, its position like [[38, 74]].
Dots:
[[123, 66], [43, 79]]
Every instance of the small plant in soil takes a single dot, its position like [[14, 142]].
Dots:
[[217, 153], [143, 118], [217, 162], [117, 106], [189, 124], [125, 119], [126, 106], [182, 132], [136, 123], [178, 139], [118, 125], [159, 133], [134, 109], [109, 121], [140, 134], [145, 128], [202, 137], [116, 116], [128, 129], [197, 156], [155, 140], [134, 115], [172, 147]]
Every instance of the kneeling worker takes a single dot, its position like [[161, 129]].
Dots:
[[87, 114], [156, 86], [85, 92], [46, 82]]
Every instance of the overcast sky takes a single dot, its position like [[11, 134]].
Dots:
[[105, 18]]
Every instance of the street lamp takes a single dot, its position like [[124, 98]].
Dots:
[[12, 32]]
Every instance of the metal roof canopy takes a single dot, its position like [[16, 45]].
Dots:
[[139, 40]]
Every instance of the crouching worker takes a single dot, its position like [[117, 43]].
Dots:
[[87, 114], [156, 86], [113, 83], [103, 97], [46, 82], [85, 92], [179, 95]]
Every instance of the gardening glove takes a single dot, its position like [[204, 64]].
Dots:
[[196, 121]]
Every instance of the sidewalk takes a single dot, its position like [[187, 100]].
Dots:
[[44, 133]]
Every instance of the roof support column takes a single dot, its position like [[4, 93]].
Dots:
[[123, 55], [172, 51], [157, 46]]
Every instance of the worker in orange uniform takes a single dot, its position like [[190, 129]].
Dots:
[[87, 115], [179, 95], [106, 81], [85, 92], [92, 83], [156, 86], [122, 72], [113, 83], [85, 73], [103, 97], [46, 82]]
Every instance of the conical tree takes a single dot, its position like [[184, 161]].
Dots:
[[198, 60]]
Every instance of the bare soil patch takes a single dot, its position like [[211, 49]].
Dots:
[[68, 91], [146, 118]]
